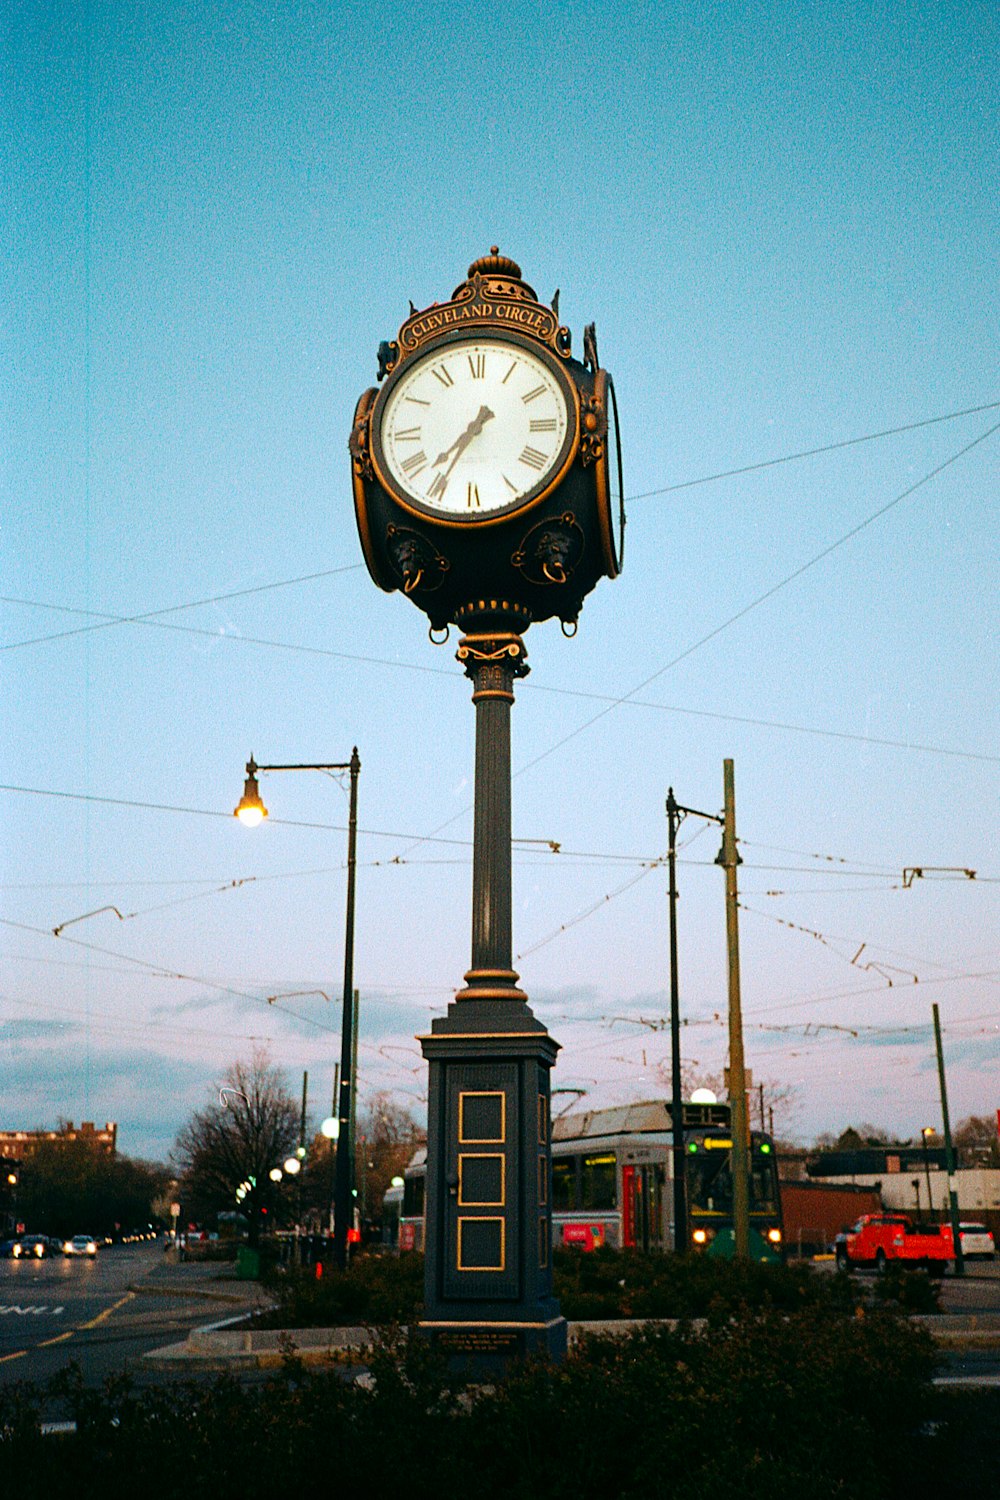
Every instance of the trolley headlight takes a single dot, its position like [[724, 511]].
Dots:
[[700, 1236], [774, 1235]]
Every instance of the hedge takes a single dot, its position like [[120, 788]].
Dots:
[[751, 1405]]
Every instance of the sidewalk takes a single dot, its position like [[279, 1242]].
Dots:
[[198, 1278]]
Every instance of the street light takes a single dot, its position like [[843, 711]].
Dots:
[[251, 812], [675, 815], [927, 1131]]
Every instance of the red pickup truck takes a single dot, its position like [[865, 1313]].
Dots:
[[877, 1239]]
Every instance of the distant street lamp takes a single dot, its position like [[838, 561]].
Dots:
[[251, 812], [275, 1174], [927, 1131], [675, 815]]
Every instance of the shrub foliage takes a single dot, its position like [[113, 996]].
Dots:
[[751, 1405]]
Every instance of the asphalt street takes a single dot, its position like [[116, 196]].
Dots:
[[105, 1314]]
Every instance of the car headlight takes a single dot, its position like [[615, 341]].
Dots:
[[68, 1248], [700, 1236], [774, 1235]]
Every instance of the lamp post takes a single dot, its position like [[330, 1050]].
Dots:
[[675, 814], [251, 811], [928, 1130], [728, 857]]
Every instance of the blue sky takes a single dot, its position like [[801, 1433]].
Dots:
[[783, 221]]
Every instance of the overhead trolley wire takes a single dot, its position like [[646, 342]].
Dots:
[[767, 594], [150, 616], [787, 458]]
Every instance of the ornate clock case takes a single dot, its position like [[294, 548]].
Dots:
[[530, 551]]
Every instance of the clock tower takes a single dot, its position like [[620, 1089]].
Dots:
[[487, 486]]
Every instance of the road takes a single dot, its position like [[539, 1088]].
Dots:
[[103, 1315]]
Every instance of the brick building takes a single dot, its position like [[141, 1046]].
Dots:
[[21, 1145]]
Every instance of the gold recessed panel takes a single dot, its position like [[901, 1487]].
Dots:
[[543, 1119], [481, 1244], [543, 1181], [544, 1239], [481, 1180], [482, 1117]]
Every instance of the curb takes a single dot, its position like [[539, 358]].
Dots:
[[219, 1347], [146, 1289]]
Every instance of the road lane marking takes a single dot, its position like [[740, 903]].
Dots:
[[95, 1322], [32, 1308]]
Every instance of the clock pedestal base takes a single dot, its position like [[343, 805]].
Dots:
[[488, 1279]]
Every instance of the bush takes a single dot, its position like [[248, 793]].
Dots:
[[598, 1285], [813, 1401], [912, 1290], [381, 1289]]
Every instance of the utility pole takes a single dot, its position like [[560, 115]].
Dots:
[[729, 858], [334, 1141], [302, 1157], [949, 1154], [354, 1109], [675, 814], [342, 1192]]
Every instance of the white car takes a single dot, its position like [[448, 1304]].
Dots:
[[80, 1244], [977, 1241]]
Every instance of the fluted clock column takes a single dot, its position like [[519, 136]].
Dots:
[[493, 661]]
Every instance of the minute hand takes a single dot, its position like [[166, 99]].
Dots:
[[460, 444]]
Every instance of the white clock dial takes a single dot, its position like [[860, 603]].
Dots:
[[474, 428]]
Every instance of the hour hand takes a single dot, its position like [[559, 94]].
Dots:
[[460, 444]]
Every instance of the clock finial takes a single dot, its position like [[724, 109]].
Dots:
[[495, 264]]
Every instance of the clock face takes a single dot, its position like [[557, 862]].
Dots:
[[475, 428]]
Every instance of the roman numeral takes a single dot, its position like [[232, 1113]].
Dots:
[[509, 373], [407, 434], [477, 364], [531, 395], [511, 485], [416, 401], [472, 496], [533, 458], [411, 466], [440, 373], [438, 488], [543, 424]]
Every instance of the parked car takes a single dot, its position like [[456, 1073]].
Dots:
[[10, 1249], [81, 1244], [977, 1242]]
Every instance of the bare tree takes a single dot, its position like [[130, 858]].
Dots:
[[388, 1135], [249, 1129], [977, 1141]]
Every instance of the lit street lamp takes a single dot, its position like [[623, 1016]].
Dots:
[[927, 1131], [251, 811]]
